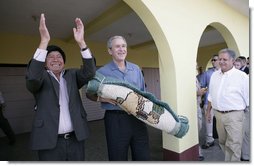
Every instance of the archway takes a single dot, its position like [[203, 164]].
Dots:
[[224, 39], [176, 63]]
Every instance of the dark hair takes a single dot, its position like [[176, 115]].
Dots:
[[215, 55], [242, 58], [56, 48]]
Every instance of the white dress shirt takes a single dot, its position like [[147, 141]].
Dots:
[[65, 123], [229, 90]]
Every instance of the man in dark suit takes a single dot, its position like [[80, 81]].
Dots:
[[244, 67], [60, 124]]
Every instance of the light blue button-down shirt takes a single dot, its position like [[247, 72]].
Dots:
[[205, 81], [132, 74]]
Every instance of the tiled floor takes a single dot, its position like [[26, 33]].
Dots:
[[96, 149]]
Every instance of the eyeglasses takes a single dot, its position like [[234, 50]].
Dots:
[[214, 60]]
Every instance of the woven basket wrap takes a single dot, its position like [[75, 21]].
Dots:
[[143, 105]]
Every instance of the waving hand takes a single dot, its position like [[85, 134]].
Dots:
[[79, 33], [45, 37]]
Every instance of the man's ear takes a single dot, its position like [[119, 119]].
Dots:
[[45, 65], [109, 51]]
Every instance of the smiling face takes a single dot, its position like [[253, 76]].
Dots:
[[118, 50], [55, 62], [226, 61], [237, 65]]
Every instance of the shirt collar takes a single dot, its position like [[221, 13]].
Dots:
[[114, 66], [53, 75], [229, 72]]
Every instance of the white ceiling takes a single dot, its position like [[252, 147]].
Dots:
[[22, 17]]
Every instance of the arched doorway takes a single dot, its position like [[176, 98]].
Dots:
[[173, 25]]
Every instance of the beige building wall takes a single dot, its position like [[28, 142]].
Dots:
[[19, 49]]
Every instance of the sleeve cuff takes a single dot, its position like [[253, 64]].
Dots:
[[86, 54], [40, 55]]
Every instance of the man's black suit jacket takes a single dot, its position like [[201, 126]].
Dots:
[[45, 89]]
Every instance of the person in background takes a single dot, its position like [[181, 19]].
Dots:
[[60, 125], [200, 93], [4, 123], [245, 154], [244, 67], [205, 81], [123, 130], [200, 73], [248, 62], [238, 63], [229, 97]]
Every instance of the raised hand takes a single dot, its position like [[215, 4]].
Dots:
[[45, 37], [79, 33]]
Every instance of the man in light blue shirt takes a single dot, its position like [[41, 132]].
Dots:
[[123, 130], [131, 74], [204, 81]]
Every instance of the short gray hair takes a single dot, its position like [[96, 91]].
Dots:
[[109, 43], [230, 52]]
